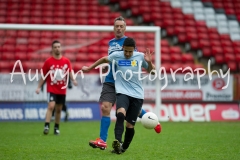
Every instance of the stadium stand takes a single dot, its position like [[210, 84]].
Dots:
[[212, 32], [191, 30]]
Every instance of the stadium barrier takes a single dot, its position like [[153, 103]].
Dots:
[[183, 101], [89, 89], [32, 111]]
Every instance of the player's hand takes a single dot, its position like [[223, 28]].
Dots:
[[148, 55], [85, 69], [38, 90], [75, 82]]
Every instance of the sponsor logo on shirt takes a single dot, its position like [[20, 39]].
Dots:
[[132, 63]]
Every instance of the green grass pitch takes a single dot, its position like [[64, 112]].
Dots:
[[177, 141]]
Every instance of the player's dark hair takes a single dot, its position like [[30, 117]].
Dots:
[[120, 18], [56, 41], [129, 42]]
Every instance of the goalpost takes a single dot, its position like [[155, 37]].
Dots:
[[152, 29]]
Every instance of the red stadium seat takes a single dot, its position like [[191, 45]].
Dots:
[[195, 66], [203, 36], [71, 56], [206, 51], [185, 65], [11, 33], [36, 20], [12, 19], [7, 56], [187, 58], [124, 5], [80, 57], [8, 48], [215, 43], [46, 34], [167, 67], [176, 58], [93, 57], [236, 43], [192, 36], [179, 30], [175, 50], [219, 59], [93, 21], [20, 56], [156, 16], [164, 43], [165, 50], [194, 44], [232, 65], [4, 65], [229, 57], [32, 48], [202, 30], [225, 37], [217, 50], [77, 66], [21, 48], [182, 38], [237, 50], [135, 11], [34, 34], [176, 66], [226, 43], [165, 58], [33, 56], [237, 58], [214, 36], [189, 23], [228, 50], [23, 33], [147, 18], [93, 49], [44, 56]]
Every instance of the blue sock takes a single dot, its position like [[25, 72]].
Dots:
[[142, 113], [105, 123]]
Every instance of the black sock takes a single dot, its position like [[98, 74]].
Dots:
[[56, 126], [64, 108], [119, 126], [47, 124], [128, 137]]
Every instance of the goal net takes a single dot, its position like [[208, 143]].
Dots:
[[30, 45]]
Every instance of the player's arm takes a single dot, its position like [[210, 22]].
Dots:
[[71, 75], [151, 67], [95, 64], [72, 79], [40, 83], [148, 59]]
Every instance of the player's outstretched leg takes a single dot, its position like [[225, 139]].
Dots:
[[104, 126], [98, 143], [101, 142], [158, 128]]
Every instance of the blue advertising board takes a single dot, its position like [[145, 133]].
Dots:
[[35, 111]]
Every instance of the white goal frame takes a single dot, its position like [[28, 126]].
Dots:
[[153, 29]]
